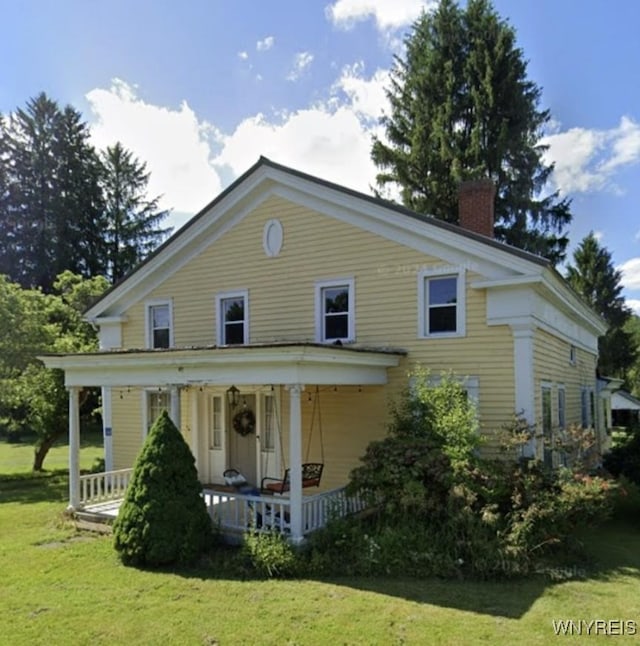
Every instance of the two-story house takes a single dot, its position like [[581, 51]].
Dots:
[[278, 323]]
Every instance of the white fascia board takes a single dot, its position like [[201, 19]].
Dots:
[[187, 244], [285, 366], [565, 297], [523, 307], [404, 229]]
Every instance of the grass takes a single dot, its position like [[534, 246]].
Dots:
[[18, 457], [64, 587]]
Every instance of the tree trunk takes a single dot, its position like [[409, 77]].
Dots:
[[42, 448]]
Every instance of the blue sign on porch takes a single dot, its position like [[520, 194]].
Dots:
[[107, 431]]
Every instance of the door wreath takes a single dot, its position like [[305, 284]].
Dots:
[[244, 422]]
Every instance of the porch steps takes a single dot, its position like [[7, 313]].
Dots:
[[93, 521]]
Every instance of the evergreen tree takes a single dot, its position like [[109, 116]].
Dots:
[[595, 278], [52, 207], [131, 220], [163, 518], [463, 108]]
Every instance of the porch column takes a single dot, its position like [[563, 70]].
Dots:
[[195, 429], [107, 428], [295, 461], [74, 448], [174, 413]]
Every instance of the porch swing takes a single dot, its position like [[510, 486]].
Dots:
[[311, 471]]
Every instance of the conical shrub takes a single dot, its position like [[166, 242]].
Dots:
[[163, 518]]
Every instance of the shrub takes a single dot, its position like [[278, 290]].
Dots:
[[431, 440], [163, 518], [443, 511], [270, 555], [624, 458]]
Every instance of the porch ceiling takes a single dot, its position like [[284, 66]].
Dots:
[[285, 363]]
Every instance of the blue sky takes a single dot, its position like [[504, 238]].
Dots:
[[200, 89]]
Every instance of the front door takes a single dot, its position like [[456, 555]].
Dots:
[[242, 438]]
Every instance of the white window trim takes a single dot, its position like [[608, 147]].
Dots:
[[427, 274], [147, 320], [351, 324], [238, 293]]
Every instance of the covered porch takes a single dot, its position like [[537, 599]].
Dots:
[[192, 379]]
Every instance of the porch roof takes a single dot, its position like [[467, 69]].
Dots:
[[272, 363]]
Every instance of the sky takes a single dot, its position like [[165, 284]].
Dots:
[[199, 89]]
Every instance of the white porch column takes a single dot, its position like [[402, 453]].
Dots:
[[295, 461], [195, 428], [524, 379], [74, 448], [107, 428], [174, 413]]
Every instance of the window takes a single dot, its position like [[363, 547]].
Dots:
[[441, 304], [562, 416], [159, 329], [587, 407], [547, 428], [572, 355], [233, 317], [270, 423], [215, 423], [335, 311], [157, 401]]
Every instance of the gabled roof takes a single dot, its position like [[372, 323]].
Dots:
[[266, 178]]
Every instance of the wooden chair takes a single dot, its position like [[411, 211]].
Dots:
[[311, 476]]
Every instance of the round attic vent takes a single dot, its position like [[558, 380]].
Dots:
[[272, 238]]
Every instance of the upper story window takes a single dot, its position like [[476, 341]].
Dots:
[[441, 303], [159, 324], [335, 315], [572, 355], [233, 318]]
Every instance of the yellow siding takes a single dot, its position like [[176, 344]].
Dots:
[[282, 299], [552, 365], [127, 431]]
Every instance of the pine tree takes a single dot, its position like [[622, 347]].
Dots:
[[595, 278], [463, 108], [131, 220], [163, 518], [52, 205]]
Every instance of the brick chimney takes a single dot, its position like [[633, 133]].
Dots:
[[476, 200]]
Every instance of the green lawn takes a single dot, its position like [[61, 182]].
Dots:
[[62, 587], [18, 458]]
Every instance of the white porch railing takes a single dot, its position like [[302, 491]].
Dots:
[[240, 512], [108, 485]]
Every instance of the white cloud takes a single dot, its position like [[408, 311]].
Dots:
[[587, 160], [630, 273], [388, 14], [634, 305], [301, 62], [265, 44], [175, 145], [367, 96], [598, 235], [243, 55], [332, 144], [187, 157]]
